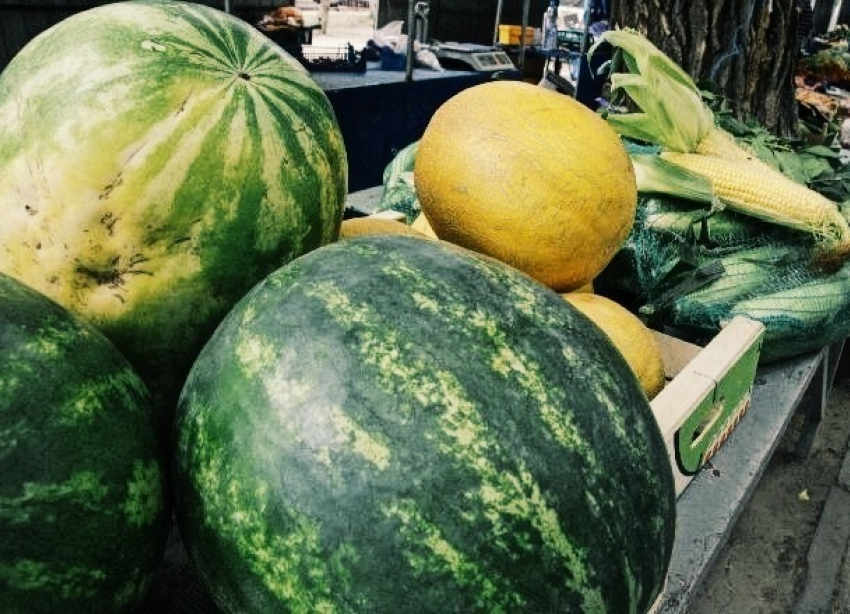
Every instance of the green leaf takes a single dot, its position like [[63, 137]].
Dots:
[[672, 112]]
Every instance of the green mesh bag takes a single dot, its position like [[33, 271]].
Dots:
[[688, 269]]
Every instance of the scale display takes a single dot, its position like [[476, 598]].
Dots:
[[477, 57]]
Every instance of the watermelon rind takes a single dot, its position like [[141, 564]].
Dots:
[[392, 424], [157, 159], [84, 511]]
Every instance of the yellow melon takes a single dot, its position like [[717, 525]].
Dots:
[[374, 225], [629, 335], [530, 177]]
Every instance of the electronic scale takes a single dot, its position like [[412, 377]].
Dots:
[[477, 57]]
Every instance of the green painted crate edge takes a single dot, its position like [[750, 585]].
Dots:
[[708, 393]]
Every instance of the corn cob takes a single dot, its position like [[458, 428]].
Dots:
[[673, 115], [681, 219], [745, 273], [677, 222], [720, 144], [717, 227], [729, 228], [753, 188], [739, 279], [801, 309]]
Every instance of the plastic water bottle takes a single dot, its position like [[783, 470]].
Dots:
[[550, 27]]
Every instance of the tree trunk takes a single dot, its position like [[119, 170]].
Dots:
[[747, 49]]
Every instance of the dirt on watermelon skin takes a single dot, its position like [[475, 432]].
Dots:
[[390, 424], [83, 508]]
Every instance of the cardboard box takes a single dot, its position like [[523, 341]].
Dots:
[[509, 35], [707, 393]]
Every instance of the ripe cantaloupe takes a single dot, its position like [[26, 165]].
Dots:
[[374, 225], [628, 333], [530, 177]]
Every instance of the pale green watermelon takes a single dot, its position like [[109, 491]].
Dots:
[[156, 160]]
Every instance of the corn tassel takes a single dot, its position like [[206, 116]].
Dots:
[[756, 189]]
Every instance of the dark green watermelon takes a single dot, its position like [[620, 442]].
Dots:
[[83, 512], [391, 424]]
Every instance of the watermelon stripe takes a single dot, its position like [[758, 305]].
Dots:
[[86, 401], [203, 157], [71, 582], [427, 551], [389, 392], [145, 497], [84, 489], [504, 358], [463, 430], [275, 557], [363, 442]]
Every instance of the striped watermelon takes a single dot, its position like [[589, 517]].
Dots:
[[83, 516], [390, 424], [157, 159]]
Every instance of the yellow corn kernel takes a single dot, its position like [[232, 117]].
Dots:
[[720, 144], [753, 188]]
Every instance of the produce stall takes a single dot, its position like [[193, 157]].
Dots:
[[786, 400], [330, 417], [787, 393]]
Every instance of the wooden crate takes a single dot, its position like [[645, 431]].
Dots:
[[707, 393]]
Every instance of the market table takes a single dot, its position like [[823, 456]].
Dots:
[[795, 389]]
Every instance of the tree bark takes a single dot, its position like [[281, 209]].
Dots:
[[746, 49]]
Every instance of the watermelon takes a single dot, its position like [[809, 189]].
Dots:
[[83, 506], [393, 424], [157, 159]]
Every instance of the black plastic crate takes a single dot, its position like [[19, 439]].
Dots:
[[332, 59]]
